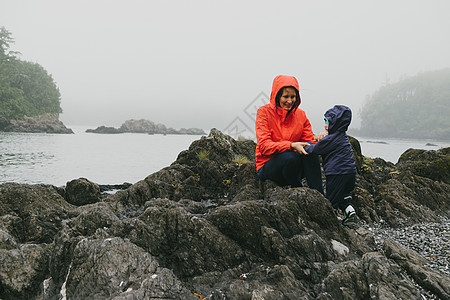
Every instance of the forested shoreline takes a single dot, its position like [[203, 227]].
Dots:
[[415, 107]]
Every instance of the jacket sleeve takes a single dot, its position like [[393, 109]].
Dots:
[[323, 146], [307, 134], [264, 136]]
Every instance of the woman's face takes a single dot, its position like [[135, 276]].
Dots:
[[288, 98]]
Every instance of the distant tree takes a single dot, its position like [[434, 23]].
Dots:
[[26, 89], [5, 41], [10, 98], [414, 107]]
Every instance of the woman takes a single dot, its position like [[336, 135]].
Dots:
[[282, 129]]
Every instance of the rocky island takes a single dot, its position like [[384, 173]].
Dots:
[[205, 227], [45, 123], [145, 126]]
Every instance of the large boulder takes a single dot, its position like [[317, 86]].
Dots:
[[432, 164], [371, 277], [113, 268], [408, 198], [33, 213], [23, 270], [30, 218], [185, 242], [82, 191]]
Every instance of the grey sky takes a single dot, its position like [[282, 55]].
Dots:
[[200, 63]]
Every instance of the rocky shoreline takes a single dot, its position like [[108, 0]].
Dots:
[[47, 123], [145, 126], [205, 227]]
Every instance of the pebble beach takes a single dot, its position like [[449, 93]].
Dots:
[[430, 239]]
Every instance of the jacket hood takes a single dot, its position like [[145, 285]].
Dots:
[[339, 118], [280, 82]]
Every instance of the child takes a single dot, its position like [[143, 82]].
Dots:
[[338, 162]]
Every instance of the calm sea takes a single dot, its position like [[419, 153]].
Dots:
[[115, 159]]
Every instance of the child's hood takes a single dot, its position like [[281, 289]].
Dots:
[[339, 118]]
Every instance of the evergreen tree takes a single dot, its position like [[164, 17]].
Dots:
[[26, 89]]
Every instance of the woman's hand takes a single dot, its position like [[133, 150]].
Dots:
[[298, 146], [319, 136]]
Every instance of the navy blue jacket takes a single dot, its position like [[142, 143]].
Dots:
[[335, 148]]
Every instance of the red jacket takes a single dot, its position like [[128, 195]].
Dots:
[[274, 131]]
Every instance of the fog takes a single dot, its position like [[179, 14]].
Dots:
[[211, 63]]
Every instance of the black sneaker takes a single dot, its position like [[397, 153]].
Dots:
[[349, 218]]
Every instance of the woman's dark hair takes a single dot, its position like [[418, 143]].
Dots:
[[280, 92]]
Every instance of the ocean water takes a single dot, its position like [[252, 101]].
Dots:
[[114, 159], [102, 158], [391, 149]]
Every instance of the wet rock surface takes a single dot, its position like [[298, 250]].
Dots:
[[205, 227]]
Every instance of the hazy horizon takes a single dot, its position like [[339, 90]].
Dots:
[[206, 64]]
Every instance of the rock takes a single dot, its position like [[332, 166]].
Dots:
[[371, 277], [157, 230], [206, 227], [191, 131], [145, 126], [345, 281], [30, 218], [104, 130], [357, 154], [115, 268], [7, 242], [386, 280], [82, 191], [432, 164], [339, 248], [138, 126], [410, 199], [435, 282], [32, 213], [47, 123], [378, 142], [365, 203], [160, 128], [92, 217], [402, 255], [22, 271]]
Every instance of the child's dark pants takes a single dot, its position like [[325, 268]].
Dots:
[[339, 189]]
